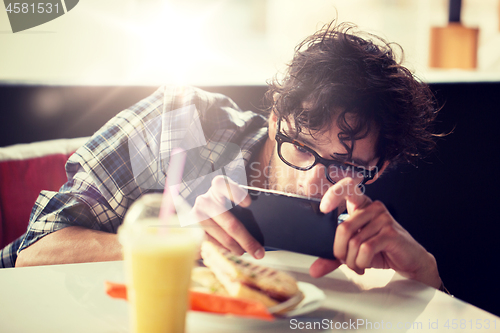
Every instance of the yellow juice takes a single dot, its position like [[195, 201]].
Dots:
[[158, 267]]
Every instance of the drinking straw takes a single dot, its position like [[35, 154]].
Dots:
[[174, 177]]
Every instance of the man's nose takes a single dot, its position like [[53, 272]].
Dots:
[[314, 182]]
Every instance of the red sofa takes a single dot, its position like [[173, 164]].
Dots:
[[25, 170]]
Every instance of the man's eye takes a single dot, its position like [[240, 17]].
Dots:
[[301, 149]]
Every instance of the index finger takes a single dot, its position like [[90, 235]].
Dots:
[[227, 223], [231, 226], [346, 189]]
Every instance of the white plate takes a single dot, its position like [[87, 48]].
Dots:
[[313, 298]]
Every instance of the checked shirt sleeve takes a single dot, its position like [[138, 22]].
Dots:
[[129, 156], [100, 184], [78, 203]]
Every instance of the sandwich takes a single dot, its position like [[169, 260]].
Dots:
[[230, 275]]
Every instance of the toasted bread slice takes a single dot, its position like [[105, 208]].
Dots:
[[204, 280], [244, 279]]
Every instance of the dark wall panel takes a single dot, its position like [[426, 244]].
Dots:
[[450, 202], [34, 113]]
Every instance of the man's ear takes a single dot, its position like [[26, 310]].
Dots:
[[379, 173], [273, 124]]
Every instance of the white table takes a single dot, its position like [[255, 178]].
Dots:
[[71, 298]]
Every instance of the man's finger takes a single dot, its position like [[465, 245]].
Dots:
[[361, 225], [233, 227], [216, 232], [371, 248], [322, 267], [346, 189]]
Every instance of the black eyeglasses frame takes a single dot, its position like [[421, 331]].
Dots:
[[367, 174]]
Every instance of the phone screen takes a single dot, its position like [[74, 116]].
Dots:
[[288, 222]]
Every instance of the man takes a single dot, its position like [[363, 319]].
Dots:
[[344, 113]]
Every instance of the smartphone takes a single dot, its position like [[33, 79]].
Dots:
[[289, 222]]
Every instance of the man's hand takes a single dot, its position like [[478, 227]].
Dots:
[[371, 238], [219, 224]]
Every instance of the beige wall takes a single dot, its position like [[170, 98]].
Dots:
[[221, 42]]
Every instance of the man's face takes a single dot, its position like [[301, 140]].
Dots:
[[313, 182]]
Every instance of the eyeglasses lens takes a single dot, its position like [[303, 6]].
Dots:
[[337, 173], [302, 158], [297, 155]]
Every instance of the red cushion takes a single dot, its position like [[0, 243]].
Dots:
[[21, 181]]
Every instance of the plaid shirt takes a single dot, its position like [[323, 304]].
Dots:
[[128, 157]]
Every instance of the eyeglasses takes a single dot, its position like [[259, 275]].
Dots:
[[299, 156]]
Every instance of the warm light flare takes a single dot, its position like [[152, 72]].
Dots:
[[169, 43]]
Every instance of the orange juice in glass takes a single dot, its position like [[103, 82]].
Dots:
[[158, 262]]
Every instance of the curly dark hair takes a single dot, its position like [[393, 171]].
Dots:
[[340, 72]]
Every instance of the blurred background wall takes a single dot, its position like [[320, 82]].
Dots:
[[222, 42]]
